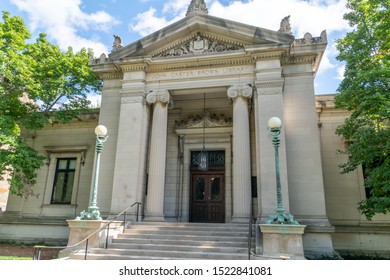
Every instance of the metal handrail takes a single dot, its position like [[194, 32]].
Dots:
[[38, 248], [250, 252]]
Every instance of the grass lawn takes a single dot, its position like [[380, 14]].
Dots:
[[13, 258]]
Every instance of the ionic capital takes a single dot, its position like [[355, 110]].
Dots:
[[158, 96], [240, 91]]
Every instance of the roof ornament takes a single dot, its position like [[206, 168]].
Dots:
[[285, 26], [117, 43], [197, 6]]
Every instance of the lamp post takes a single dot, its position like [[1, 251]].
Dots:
[[93, 210], [279, 217]]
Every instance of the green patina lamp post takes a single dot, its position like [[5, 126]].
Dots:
[[93, 212], [280, 216]]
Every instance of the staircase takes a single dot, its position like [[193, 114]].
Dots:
[[175, 241]]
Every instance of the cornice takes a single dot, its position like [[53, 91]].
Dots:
[[300, 59], [266, 55], [130, 67]]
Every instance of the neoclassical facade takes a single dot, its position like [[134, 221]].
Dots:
[[205, 85]]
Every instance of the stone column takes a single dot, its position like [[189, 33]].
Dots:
[[241, 153], [158, 147]]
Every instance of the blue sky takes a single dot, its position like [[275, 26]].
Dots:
[[92, 23]]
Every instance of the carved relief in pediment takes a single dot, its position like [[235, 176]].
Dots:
[[209, 120], [200, 44]]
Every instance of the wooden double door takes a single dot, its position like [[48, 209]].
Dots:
[[207, 197]]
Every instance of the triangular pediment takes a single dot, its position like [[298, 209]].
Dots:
[[198, 43], [201, 34]]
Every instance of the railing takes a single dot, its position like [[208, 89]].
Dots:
[[38, 249], [250, 235]]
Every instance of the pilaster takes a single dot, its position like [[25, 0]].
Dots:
[[304, 162], [269, 103], [129, 173]]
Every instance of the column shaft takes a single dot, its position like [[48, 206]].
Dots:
[[241, 153], [158, 146]]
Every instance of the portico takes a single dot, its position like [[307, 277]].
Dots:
[[155, 94]]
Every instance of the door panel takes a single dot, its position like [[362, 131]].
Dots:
[[207, 198]]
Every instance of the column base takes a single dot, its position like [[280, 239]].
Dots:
[[283, 241], [240, 219], [154, 218]]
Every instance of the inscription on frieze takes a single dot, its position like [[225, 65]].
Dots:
[[199, 73]]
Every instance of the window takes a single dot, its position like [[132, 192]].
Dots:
[[254, 186], [64, 165], [64, 181]]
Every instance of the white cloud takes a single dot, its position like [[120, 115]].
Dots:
[[311, 16], [176, 6], [61, 20], [340, 72], [306, 16], [95, 100], [148, 22]]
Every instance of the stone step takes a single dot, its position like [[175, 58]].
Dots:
[[181, 237], [197, 228], [184, 248], [123, 254], [225, 243], [190, 225], [176, 232], [158, 240]]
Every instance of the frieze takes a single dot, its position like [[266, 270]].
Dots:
[[199, 73], [200, 44], [200, 65], [200, 121]]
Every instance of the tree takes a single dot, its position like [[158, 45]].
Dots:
[[39, 85], [365, 92]]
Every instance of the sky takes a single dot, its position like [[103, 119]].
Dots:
[[92, 23]]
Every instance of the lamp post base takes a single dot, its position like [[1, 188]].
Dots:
[[92, 213], [280, 217], [283, 241]]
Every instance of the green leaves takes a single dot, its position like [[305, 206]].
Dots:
[[365, 92], [39, 85]]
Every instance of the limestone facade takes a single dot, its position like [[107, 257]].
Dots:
[[207, 83]]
